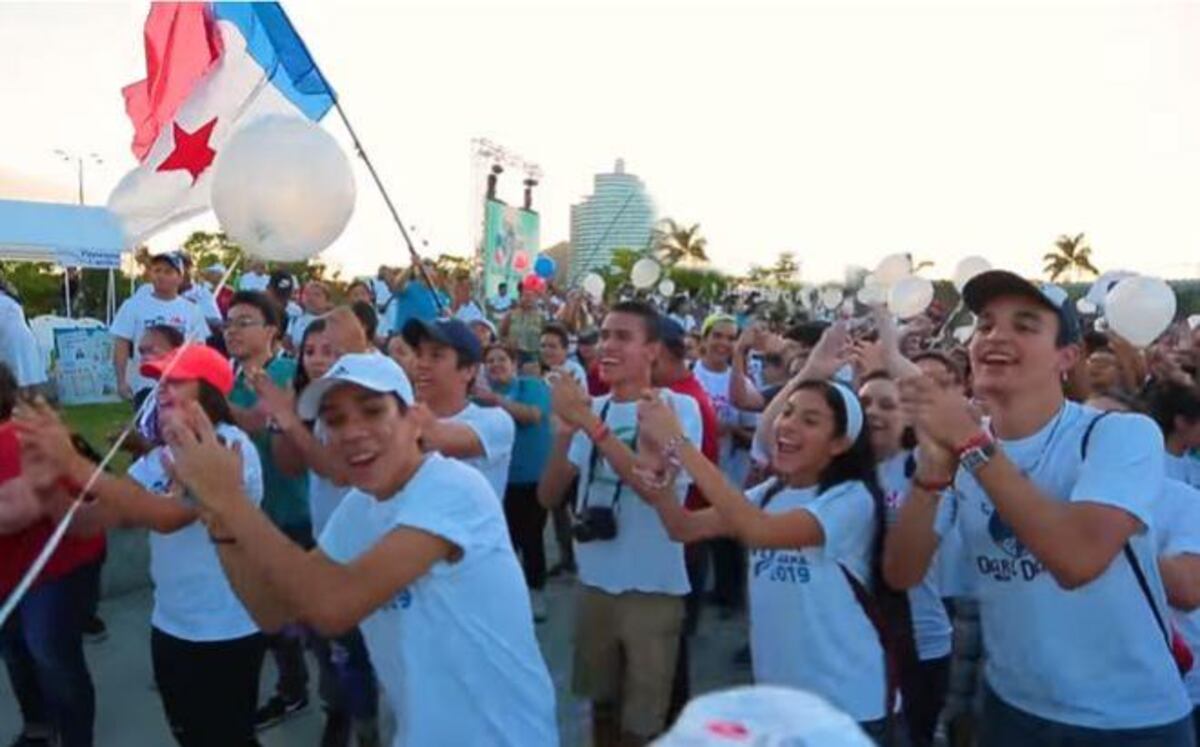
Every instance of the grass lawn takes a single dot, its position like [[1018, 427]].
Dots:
[[97, 422]]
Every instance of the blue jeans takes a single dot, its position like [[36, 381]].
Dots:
[[347, 680], [42, 644], [1004, 725]]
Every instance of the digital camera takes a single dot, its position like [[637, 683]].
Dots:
[[595, 523]]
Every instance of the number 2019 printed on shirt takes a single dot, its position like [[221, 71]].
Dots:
[[784, 567]]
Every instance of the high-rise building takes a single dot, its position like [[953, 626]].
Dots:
[[617, 214]]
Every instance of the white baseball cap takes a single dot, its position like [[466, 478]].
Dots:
[[217, 267], [763, 715], [373, 371]]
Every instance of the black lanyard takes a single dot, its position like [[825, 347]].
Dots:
[[594, 460]]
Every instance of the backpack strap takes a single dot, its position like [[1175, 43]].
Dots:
[[875, 616], [1127, 550]]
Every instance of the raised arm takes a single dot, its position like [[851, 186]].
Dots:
[[304, 586], [731, 513]]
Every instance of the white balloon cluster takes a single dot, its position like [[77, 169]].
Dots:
[[907, 295], [283, 189]]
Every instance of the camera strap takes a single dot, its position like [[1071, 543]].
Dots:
[[594, 461]]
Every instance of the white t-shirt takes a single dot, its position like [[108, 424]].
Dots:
[[642, 557], [18, 347], [455, 650], [253, 281], [932, 631], [146, 310], [496, 432], [501, 303], [205, 300], [1176, 531], [807, 628], [1184, 468], [469, 312], [1092, 656], [734, 462], [382, 292], [192, 597], [572, 368], [298, 325]]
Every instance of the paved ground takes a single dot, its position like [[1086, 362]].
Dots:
[[129, 713]]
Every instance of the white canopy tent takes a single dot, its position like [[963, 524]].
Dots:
[[69, 235]]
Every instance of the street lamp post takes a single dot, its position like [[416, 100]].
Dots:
[[78, 159]]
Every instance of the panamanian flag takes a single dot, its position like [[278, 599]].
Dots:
[[210, 69]]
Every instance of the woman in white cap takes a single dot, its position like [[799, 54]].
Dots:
[[417, 555], [814, 533]]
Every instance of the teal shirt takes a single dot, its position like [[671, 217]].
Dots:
[[285, 499], [531, 446]]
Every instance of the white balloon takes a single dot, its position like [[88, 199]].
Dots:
[[831, 296], [1105, 283], [282, 188], [892, 269], [1140, 309], [645, 272], [593, 284], [910, 296], [967, 268], [667, 287], [1084, 306], [872, 294]]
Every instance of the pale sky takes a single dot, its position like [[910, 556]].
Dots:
[[842, 131]]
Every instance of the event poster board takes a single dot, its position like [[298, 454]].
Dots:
[[510, 245], [84, 371]]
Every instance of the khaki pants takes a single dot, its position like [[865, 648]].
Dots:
[[625, 650]]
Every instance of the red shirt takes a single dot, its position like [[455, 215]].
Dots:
[[19, 549], [596, 386], [690, 386]]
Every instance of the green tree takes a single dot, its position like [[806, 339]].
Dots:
[[674, 243], [1071, 258], [208, 247], [785, 270]]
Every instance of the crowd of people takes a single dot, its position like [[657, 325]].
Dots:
[[994, 542]]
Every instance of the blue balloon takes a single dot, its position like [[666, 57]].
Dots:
[[544, 267]]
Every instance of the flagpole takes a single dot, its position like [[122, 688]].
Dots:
[[415, 256]]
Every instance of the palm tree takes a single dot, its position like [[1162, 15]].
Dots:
[[675, 243], [1071, 257]]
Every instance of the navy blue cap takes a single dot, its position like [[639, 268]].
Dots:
[[671, 335], [451, 332], [992, 284], [174, 259]]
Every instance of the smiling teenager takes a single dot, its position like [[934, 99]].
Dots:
[[416, 554], [1054, 509], [630, 609], [814, 532]]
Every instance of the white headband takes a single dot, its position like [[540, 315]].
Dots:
[[854, 412]]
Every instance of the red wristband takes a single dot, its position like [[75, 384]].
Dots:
[[599, 433], [978, 441]]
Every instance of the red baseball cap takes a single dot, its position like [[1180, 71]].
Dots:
[[192, 363]]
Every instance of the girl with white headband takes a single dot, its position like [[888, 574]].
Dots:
[[814, 533]]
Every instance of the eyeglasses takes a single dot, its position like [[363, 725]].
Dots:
[[243, 323]]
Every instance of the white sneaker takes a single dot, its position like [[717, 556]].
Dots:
[[537, 600]]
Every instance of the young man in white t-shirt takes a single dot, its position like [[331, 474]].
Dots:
[[633, 574], [314, 299], [1055, 535], [556, 343], [447, 361], [734, 398], [163, 305], [417, 555]]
